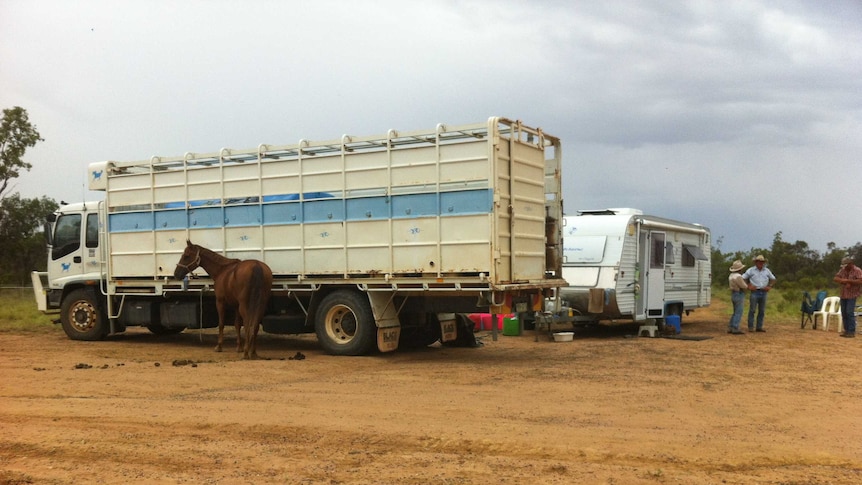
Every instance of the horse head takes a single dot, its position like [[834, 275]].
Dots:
[[189, 261]]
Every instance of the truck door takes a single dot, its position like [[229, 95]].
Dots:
[[74, 252], [655, 275]]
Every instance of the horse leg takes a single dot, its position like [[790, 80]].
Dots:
[[251, 339], [250, 335], [238, 323], [221, 316]]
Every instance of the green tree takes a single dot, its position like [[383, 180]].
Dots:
[[793, 261], [22, 244], [855, 252], [22, 247], [832, 259], [797, 266], [16, 136]]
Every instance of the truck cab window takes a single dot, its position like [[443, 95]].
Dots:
[[92, 231], [67, 235]]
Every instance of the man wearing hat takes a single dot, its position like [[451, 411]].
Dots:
[[737, 296], [850, 279], [760, 280]]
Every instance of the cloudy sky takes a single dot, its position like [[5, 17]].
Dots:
[[742, 116]]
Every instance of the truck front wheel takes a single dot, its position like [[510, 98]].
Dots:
[[81, 316], [345, 324]]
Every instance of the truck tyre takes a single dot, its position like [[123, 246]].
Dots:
[[345, 324], [159, 329], [82, 317]]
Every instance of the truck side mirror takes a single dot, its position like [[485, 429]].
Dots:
[[49, 236]]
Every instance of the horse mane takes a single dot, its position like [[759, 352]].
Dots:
[[212, 262], [214, 255]]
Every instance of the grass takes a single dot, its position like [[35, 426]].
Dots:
[[781, 303], [18, 313]]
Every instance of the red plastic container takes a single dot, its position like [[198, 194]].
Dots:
[[482, 321], [476, 318]]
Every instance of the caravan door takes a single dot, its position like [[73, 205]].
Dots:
[[651, 301]]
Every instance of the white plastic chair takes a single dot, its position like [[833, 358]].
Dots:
[[831, 307]]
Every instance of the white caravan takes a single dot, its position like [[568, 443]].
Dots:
[[623, 265]]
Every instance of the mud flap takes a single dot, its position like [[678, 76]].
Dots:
[[387, 338], [386, 319], [466, 337], [597, 300], [448, 327]]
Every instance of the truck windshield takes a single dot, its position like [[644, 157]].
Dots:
[[67, 235]]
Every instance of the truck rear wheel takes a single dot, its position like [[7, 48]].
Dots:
[[345, 324], [81, 316], [159, 329]]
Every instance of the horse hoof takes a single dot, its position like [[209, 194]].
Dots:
[[218, 349]]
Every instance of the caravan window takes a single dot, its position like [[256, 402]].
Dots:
[[668, 254], [690, 254], [657, 257]]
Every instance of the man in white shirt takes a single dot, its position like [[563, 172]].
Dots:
[[760, 280]]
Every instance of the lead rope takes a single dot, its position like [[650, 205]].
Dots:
[[189, 268], [201, 317]]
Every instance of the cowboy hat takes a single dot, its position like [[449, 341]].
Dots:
[[760, 258], [846, 260], [737, 266]]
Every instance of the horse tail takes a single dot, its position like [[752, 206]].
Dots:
[[257, 294]]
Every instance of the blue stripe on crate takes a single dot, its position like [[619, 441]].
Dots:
[[208, 217], [368, 208], [242, 215], [323, 210], [289, 213], [466, 202], [130, 222], [171, 219], [317, 207], [415, 205]]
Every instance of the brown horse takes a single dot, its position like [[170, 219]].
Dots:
[[242, 287]]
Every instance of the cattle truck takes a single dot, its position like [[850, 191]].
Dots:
[[374, 241], [626, 266]]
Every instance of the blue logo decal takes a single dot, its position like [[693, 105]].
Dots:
[[66, 266], [97, 175]]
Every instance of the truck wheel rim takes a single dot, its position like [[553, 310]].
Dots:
[[82, 315], [341, 324]]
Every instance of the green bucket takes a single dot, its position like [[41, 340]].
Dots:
[[511, 326]]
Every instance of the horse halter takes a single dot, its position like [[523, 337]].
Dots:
[[194, 264]]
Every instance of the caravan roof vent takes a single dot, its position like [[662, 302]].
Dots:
[[628, 211], [625, 211]]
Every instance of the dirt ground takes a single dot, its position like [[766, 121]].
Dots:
[[781, 407]]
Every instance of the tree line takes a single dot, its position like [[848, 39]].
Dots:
[[22, 244], [795, 265]]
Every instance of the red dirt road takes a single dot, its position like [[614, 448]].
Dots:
[[783, 407]]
